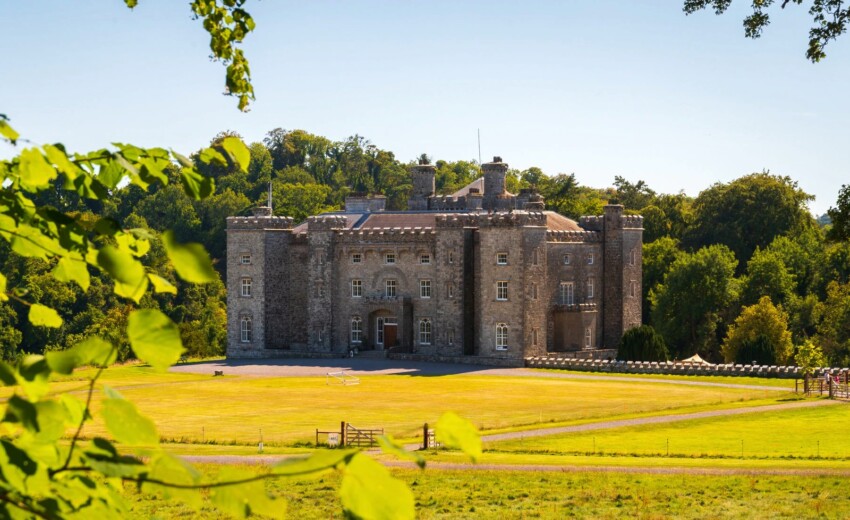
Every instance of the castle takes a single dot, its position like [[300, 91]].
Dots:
[[482, 274]]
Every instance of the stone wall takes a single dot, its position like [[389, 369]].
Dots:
[[670, 368]]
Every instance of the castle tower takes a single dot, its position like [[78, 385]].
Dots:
[[424, 186], [494, 183], [623, 238]]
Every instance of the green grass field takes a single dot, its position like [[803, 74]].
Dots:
[[195, 408]]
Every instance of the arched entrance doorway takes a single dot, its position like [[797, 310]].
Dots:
[[386, 329]]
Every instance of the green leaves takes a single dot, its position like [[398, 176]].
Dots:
[[91, 351], [389, 445], [245, 499], [34, 170], [70, 269], [237, 151], [196, 185], [7, 131], [191, 261], [155, 338], [128, 273], [125, 423], [454, 431], [369, 491], [43, 316]]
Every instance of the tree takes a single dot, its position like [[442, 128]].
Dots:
[[767, 276], [830, 18], [634, 196], [840, 216], [758, 351], [762, 319], [808, 357], [833, 328], [697, 293], [749, 212], [658, 257], [642, 344]]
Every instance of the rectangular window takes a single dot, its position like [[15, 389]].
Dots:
[[246, 287], [356, 288], [501, 291], [356, 330], [425, 259], [590, 258], [533, 291], [501, 259], [425, 331], [590, 288], [451, 257], [450, 290], [320, 290], [389, 258], [534, 337], [424, 288], [567, 293], [246, 330], [633, 288], [501, 336], [567, 259], [632, 257], [534, 259], [588, 337], [245, 259], [321, 257], [390, 288], [356, 258], [452, 337]]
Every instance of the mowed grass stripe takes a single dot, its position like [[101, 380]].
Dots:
[[289, 410]]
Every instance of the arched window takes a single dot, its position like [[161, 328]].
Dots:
[[501, 336], [425, 331], [246, 330], [356, 330]]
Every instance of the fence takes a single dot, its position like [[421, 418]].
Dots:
[[349, 435]]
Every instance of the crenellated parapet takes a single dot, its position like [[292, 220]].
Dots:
[[632, 222], [592, 222], [496, 219], [326, 223], [404, 235], [573, 236], [257, 223]]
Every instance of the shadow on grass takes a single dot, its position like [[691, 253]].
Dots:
[[320, 367]]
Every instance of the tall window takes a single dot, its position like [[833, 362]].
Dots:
[[501, 258], [590, 258], [501, 336], [590, 288], [320, 289], [356, 258], [588, 337], [424, 288], [567, 296], [451, 337], [389, 258], [633, 288], [501, 291], [632, 257], [566, 259], [246, 287], [321, 257], [356, 288], [390, 288], [246, 330], [356, 330], [425, 331], [533, 291], [451, 257], [450, 290], [245, 259], [425, 258], [534, 337], [534, 257]]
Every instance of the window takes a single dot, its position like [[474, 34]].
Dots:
[[245, 259], [534, 337], [533, 291], [451, 257], [389, 258], [390, 288], [379, 331], [588, 337], [356, 258], [425, 331], [567, 259], [450, 290], [246, 287], [501, 291], [356, 330], [356, 288], [632, 257], [589, 258], [534, 259], [321, 257], [452, 337], [501, 336], [501, 258], [567, 293], [320, 290], [424, 288], [633, 288], [425, 259], [246, 330], [589, 288]]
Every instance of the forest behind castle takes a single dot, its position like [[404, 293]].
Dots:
[[709, 261]]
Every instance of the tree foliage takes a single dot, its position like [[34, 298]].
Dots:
[[756, 321], [840, 215], [829, 18], [642, 344]]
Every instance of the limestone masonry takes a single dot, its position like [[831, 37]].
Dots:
[[482, 274]]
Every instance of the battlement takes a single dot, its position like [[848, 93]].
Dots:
[[382, 235], [573, 236], [326, 223], [632, 221], [497, 219], [592, 222], [576, 307], [256, 223]]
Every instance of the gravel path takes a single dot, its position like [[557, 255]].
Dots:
[[369, 366]]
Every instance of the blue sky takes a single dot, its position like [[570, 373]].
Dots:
[[596, 88]]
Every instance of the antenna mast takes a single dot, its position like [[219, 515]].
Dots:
[[479, 147], [270, 195]]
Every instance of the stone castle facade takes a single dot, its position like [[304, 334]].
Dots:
[[482, 274]]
